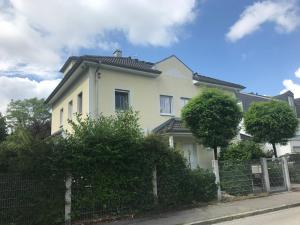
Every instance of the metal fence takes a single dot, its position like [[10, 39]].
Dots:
[[241, 178], [25, 199], [276, 174], [294, 170], [256, 176]]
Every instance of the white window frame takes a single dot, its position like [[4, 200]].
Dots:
[[79, 103], [129, 101], [61, 117], [70, 110], [182, 101], [171, 106]]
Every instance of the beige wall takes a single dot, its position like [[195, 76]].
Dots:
[[80, 85], [175, 80]]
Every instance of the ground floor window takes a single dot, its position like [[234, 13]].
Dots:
[[190, 154]]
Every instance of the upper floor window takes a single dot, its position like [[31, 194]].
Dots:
[[70, 110], [166, 105], [79, 103], [184, 101], [121, 100], [61, 117]]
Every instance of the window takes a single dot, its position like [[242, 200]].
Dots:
[[70, 110], [61, 117], [166, 105], [121, 100], [184, 101], [79, 103]]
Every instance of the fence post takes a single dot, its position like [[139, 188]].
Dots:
[[154, 185], [217, 175], [265, 173], [286, 174], [68, 199]]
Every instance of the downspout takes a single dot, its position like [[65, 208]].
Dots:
[[97, 78]]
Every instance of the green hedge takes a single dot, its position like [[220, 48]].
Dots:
[[111, 163]]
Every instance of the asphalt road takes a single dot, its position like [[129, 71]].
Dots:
[[283, 217]]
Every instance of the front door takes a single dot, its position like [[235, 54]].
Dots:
[[190, 154]]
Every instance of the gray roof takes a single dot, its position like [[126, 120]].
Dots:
[[211, 80], [125, 62], [173, 125], [248, 99], [284, 96]]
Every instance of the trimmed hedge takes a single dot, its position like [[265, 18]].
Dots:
[[111, 163]]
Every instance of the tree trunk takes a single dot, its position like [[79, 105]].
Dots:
[[216, 153], [274, 149]]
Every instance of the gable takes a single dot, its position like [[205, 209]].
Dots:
[[174, 67]]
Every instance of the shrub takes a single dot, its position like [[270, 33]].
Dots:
[[202, 185], [242, 151], [111, 163], [177, 184]]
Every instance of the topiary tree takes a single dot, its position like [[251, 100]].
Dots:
[[273, 122], [213, 117]]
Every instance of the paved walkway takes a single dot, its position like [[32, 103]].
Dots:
[[287, 216], [191, 216]]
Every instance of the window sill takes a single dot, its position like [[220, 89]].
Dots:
[[167, 114]]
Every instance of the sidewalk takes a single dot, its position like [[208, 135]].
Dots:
[[237, 208]]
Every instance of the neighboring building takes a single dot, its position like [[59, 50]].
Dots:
[[106, 84], [246, 99]]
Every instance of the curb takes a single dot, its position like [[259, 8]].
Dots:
[[242, 215]]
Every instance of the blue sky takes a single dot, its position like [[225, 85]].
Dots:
[[254, 43]]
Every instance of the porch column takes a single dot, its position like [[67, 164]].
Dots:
[[171, 141]]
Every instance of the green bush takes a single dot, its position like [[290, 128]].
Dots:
[[242, 151], [177, 184], [111, 163], [202, 185]]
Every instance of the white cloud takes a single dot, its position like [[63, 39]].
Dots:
[[291, 86], [297, 72], [21, 88], [283, 13], [35, 35]]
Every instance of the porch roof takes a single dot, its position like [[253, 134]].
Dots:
[[173, 125]]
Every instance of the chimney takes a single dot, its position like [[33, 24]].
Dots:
[[117, 53]]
